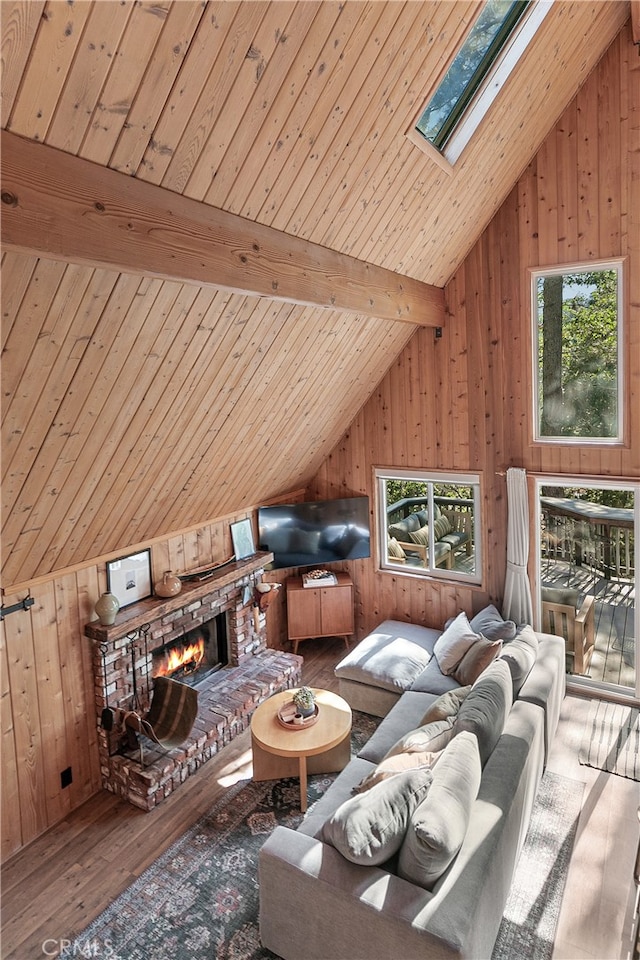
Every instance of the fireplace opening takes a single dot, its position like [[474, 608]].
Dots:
[[195, 655]]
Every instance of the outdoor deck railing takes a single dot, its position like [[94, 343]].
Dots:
[[589, 534]]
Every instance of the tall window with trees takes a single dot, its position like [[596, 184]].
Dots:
[[577, 352]]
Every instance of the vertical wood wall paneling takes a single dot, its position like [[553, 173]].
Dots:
[[31, 809], [53, 725], [9, 762], [77, 688]]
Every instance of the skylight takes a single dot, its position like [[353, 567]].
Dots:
[[492, 48]]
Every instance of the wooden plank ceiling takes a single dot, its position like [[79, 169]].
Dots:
[[138, 402]]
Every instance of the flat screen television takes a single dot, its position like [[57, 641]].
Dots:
[[315, 532]]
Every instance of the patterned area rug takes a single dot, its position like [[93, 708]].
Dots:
[[199, 900], [611, 739]]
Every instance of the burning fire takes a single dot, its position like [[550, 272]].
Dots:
[[187, 658]]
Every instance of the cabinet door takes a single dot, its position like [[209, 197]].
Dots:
[[303, 613], [337, 611]]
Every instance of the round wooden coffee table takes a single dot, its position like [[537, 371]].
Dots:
[[324, 747]]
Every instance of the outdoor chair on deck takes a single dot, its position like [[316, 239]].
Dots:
[[561, 616], [170, 718]]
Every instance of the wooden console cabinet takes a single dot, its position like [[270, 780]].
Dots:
[[320, 611]]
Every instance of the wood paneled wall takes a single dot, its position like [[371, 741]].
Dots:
[[463, 401]]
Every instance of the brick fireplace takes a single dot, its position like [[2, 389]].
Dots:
[[240, 674]]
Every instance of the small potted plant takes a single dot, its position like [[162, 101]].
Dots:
[[305, 701]]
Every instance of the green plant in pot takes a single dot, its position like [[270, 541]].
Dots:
[[305, 701]]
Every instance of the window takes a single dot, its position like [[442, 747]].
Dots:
[[490, 52], [410, 543], [577, 351]]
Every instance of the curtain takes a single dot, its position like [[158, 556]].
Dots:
[[517, 603]]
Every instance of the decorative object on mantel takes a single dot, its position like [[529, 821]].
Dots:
[[107, 607], [305, 701], [129, 578], [242, 538], [204, 573], [169, 586]]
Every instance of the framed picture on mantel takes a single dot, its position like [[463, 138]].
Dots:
[[129, 578], [242, 537]]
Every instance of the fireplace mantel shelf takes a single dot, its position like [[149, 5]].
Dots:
[[138, 614]]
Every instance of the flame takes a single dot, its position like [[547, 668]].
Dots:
[[190, 655]]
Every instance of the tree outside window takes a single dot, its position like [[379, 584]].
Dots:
[[577, 351]]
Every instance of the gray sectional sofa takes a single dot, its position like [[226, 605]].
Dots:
[[411, 851]]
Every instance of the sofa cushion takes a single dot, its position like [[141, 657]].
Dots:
[[492, 625], [391, 657], [439, 824], [567, 596], [446, 705], [520, 655], [370, 827], [432, 680], [452, 645], [477, 658], [429, 738], [395, 764], [484, 711]]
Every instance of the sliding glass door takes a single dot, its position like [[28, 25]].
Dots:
[[586, 577]]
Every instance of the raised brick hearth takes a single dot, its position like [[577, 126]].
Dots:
[[226, 699]]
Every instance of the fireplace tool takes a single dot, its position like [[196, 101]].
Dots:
[[171, 715]]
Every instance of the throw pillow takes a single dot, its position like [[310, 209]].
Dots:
[[441, 527], [484, 711], [476, 659], [420, 536], [370, 827], [492, 625], [395, 550], [426, 739], [446, 705], [520, 655], [392, 766], [451, 646], [439, 824]]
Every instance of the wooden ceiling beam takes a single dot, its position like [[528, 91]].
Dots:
[[62, 207]]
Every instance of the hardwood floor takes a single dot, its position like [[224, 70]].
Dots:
[[52, 889]]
